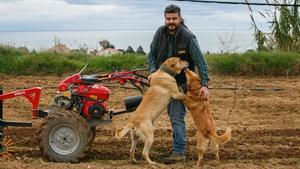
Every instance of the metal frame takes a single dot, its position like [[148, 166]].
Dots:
[[33, 95]]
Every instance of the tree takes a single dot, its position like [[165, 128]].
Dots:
[[104, 44], [140, 50], [112, 46], [83, 49], [129, 50], [284, 29], [227, 42]]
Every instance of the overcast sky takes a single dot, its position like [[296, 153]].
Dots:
[[25, 15]]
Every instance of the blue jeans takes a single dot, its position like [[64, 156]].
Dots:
[[176, 111]]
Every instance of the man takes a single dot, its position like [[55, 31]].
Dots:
[[175, 39]]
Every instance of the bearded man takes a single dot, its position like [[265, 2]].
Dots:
[[175, 39]]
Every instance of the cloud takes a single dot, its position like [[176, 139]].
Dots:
[[51, 10], [82, 2], [9, 0], [58, 14], [114, 14]]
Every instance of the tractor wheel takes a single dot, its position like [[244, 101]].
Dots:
[[64, 136]]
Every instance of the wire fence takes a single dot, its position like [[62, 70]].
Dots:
[[240, 3]]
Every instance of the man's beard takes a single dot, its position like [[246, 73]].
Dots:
[[173, 28]]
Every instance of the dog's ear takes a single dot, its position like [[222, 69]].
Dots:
[[171, 62], [174, 61]]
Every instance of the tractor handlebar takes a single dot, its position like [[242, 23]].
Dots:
[[135, 78]]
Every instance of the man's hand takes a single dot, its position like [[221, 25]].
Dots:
[[204, 94]]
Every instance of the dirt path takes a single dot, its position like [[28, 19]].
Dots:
[[266, 127]]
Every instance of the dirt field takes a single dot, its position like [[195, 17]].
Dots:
[[265, 122]]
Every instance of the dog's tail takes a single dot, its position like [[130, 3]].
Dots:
[[121, 133], [225, 137]]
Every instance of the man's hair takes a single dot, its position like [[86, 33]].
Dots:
[[172, 9]]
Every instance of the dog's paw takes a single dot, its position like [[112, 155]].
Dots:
[[181, 96], [133, 161], [214, 163], [153, 163], [200, 164]]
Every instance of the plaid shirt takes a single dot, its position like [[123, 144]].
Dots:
[[195, 54]]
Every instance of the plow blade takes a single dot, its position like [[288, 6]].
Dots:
[[13, 123]]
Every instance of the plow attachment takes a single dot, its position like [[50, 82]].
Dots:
[[7, 146]]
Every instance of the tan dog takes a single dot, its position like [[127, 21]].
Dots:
[[163, 86], [203, 119]]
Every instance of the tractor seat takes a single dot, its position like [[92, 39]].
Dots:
[[89, 79]]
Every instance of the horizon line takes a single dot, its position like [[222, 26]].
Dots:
[[129, 30]]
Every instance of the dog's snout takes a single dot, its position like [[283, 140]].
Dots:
[[186, 64]]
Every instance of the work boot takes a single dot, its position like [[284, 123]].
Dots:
[[166, 154], [174, 158]]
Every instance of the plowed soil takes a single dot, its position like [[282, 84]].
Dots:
[[265, 120]]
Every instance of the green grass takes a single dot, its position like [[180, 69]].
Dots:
[[256, 63], [117, 62], [13, 61], [44, 63], [19, 61]]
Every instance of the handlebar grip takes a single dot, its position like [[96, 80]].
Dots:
[[145, 82], [141, 75]]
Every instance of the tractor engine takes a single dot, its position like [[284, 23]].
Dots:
[[93, 110], [92, 100], [82, 94]]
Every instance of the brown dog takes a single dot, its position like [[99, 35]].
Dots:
[[203, 119], [163, 86]]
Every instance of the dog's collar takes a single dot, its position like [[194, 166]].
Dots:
[[167, 70], [194, 89]]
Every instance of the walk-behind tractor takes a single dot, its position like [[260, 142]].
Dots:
[[70, 123]]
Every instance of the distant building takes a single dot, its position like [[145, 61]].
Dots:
[[108, 52], [107, 49], [60, 48]]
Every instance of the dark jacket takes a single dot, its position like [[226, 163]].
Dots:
[[184, 45], [181, 43]]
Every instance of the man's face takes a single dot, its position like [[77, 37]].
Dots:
[[172, 20]]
